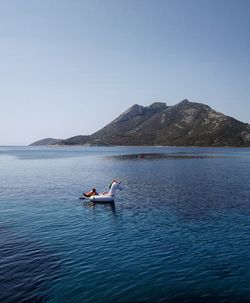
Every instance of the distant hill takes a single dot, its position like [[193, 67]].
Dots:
[[184, 124], [46, 141], [77, 140]]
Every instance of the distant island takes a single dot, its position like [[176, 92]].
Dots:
[[46, 141], [184, 124]]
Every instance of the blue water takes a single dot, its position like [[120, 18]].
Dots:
[[178, 232]]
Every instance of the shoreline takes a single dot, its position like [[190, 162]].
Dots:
[[122, 146]]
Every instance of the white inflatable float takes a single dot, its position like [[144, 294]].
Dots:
[[107, 197]]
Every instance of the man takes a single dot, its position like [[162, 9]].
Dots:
[[93, 192]]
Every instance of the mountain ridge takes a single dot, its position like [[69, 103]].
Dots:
[[183, 124]]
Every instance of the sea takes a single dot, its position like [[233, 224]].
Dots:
[[179, 231]]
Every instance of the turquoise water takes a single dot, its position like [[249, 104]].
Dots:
[[178, 232]]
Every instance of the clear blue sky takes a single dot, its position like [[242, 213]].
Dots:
[[70, 67]]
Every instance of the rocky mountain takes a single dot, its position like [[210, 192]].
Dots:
[[46, 141], [124, 130], [184, 124], [77, 140]]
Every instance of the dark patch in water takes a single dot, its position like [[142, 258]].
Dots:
[[27, 269], [166, 156]]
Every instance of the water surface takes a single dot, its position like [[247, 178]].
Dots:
[[178, 232]]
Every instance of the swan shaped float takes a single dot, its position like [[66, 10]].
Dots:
[[107, 197]]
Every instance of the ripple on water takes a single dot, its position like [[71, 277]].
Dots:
[[27, 269]]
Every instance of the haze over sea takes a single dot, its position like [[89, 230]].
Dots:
[[178, 232]]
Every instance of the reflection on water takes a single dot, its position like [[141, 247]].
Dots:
[[102, 206]]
